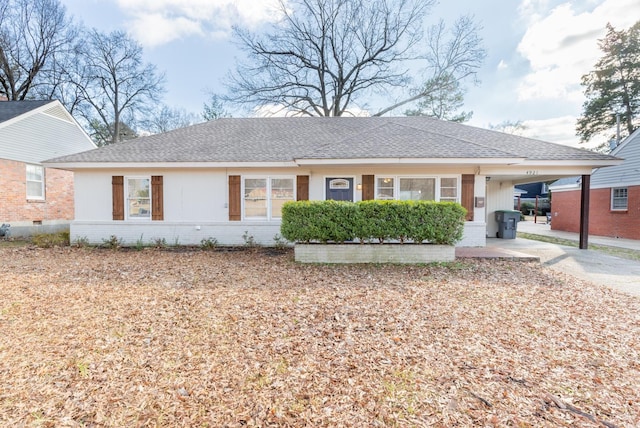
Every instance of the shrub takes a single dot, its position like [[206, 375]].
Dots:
[[159, 242], [140, 243], [81, 242], [436, 222], [378, 221], [208, 243], [113, 242], [323, 221], [280, 242], [249, 240], [374, 221]]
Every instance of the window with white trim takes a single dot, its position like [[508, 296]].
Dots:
[[265, 196], [418, 188], [448, 189], [619, 199], [138, 198], [35, 182], [385, 188]]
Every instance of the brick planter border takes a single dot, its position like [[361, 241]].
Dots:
[[374, 253]]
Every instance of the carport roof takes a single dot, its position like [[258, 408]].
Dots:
[[296, 139]]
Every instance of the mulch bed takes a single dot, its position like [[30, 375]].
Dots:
[[96, 337]]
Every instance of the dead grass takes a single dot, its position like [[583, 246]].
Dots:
[[164, 338], [10, 242]]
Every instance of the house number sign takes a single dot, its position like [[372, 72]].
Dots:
[[532, 172]]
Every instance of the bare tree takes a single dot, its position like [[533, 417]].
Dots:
[[510, 127], [34, 36], [58, 83], [452, 57], [167, 118], [324, 55], [115, 86]]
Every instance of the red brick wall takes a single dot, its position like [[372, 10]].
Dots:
[[14, 206], [602, 221]]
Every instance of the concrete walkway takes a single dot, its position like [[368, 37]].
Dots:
[[590, 265]]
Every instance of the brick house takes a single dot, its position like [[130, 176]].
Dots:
[[32, 197], [614, 196]]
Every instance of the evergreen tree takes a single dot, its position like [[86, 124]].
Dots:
[[442, 98], [613, 87]]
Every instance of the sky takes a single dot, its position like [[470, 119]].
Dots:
[[537, 51]]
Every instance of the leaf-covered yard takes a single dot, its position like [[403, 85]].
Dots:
[[249, 338]]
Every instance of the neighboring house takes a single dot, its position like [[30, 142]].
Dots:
[[517, 196], [230, 177], [533, 194], [32, 197], [614, 196], [539, 189]]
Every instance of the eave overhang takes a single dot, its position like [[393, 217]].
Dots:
[[165, 165]]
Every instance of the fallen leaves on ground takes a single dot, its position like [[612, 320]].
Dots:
[[94, 337]]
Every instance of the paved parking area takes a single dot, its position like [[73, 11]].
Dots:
[[590, 265]]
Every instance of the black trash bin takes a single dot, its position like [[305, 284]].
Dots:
[[507, 223]]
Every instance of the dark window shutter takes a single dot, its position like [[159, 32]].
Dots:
[[117, 195], [157, 195], [235, 205], [368, 187], [468, 181], [302, 188]]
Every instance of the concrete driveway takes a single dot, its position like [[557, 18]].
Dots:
[[590, 265]]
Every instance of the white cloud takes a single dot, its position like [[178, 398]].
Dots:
[[156, 22], [559, 130], [561, 44]]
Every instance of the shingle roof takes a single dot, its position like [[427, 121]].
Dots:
[[11, 109], [289, 139]]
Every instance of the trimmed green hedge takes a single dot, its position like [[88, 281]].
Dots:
[[373, 221]]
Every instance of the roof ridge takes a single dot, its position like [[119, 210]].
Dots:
[[466, 140]]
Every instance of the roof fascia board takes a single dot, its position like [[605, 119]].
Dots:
[[166, 165], [630, 183], [596, 163], [533, 171], [565, 187]]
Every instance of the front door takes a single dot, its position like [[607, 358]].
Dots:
[[339, 189]]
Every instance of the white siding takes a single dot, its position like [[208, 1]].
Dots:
[[196, 205], [189, 195], [175, 233], [40, 137], [92, 196], [499, 197], [194, 196], [625, 174]]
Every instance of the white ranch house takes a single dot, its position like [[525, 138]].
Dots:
[[226, 177]]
